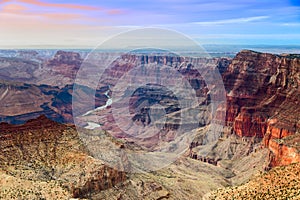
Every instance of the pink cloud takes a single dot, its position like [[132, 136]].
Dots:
[[26, 9], [13, 8], [4, 1], [57, 5], [115, 12], [21, 10]]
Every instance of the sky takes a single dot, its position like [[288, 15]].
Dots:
[[87, 23]]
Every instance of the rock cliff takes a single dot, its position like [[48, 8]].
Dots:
[[263, 93]]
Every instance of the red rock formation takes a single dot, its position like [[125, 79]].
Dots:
[[263, 100], [282, 154], [284, 144], [249, 124]]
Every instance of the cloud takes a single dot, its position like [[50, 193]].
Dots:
[[26, 22], [13, 8], [21, 11], [115, 12], [68, 13], [232, 21], [291, 24], [55, 5], [60, 16]]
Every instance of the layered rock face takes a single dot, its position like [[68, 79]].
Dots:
[[192, 69], [145, 97], [284, 145], [21, 102], [46, 157], [263, 100], [18, 69], [175, 87], [65, 63], [34, 68]]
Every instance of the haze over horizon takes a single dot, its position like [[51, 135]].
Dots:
[[84, 24]]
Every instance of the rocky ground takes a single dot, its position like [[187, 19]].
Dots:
[[43, 159], [279, 183]]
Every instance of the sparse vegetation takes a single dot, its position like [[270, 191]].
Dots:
[[279, 183]]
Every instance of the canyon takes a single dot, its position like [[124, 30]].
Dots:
[[247, 122]]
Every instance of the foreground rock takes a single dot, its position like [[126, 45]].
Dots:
[[45, 159]]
